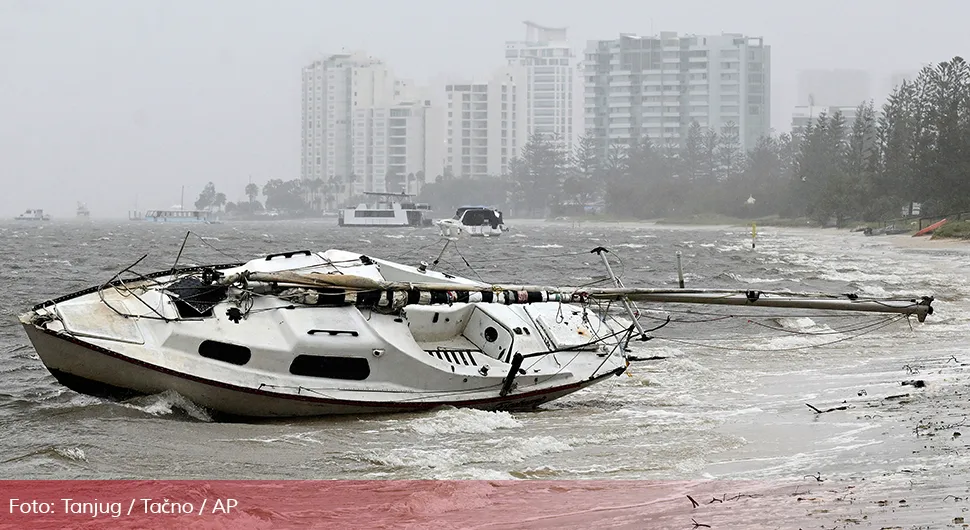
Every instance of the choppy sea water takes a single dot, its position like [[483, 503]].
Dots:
[[728, 401]]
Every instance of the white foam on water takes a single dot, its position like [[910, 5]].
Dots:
[[796, 323], [452, 421], [296, 439], [505, 450], [71, 453]]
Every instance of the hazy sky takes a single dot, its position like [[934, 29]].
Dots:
[[103, 101]]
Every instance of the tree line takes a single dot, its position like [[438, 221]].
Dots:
[[917, 149], [299, 196]]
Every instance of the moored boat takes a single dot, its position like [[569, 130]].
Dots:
[[475, 221], [177, 215], [33, 214], [388, 210]]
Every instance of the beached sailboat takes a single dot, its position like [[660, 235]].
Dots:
[[314, 333]]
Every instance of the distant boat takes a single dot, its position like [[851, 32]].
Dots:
[[391, 209], [82, 210], [175, 215], [33, 215], [480, 221]]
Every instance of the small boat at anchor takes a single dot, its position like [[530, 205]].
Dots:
[[475, 221], [33, 214], [307, 333], [178, 215]]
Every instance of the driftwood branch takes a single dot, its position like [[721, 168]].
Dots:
[[818, 411], [699, 525], [693, 502]]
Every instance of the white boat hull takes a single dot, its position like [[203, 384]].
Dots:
[[136, 338], [89, 369], [454, 228]]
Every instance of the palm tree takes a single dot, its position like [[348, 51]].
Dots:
[[352, 179], [252, 191], [331, 188], [219, 200], [313, 186]]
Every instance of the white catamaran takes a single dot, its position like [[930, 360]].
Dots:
[[314, 333]]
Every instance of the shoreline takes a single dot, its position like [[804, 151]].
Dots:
[[899, 240]]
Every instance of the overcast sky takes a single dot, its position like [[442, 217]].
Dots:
[[106, 101]]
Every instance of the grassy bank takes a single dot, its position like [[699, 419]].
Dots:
[[953, 230]]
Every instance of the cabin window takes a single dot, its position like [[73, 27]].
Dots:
[[351, 368], [373, 213], [227, 353]]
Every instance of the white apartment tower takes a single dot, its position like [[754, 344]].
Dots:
[[332, 89], [553, 85], [398, 147], [656, 86], [485, 129]]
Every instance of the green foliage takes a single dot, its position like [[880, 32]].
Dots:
[[285, 195], [953, 230], [207, 198], [446, 195], [252, 191], [918, 150]]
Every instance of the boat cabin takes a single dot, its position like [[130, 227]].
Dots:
[[388, 209], [177, 216]]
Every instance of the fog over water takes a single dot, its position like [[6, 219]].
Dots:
[[115, 103]]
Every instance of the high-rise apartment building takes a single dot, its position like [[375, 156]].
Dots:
[[397, 147], [655, 86], [802, 116], [333, 88], [485, 128], [553, 84], [839, 88]]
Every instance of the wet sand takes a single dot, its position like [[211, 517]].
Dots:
[[908, 241]]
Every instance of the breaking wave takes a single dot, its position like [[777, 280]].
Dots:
[[167, 403]]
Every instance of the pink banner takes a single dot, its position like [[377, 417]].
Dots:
[[433, 504]]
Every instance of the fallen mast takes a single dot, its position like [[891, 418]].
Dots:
[[358, 290]]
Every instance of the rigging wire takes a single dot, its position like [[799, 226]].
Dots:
[[887, 322]]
